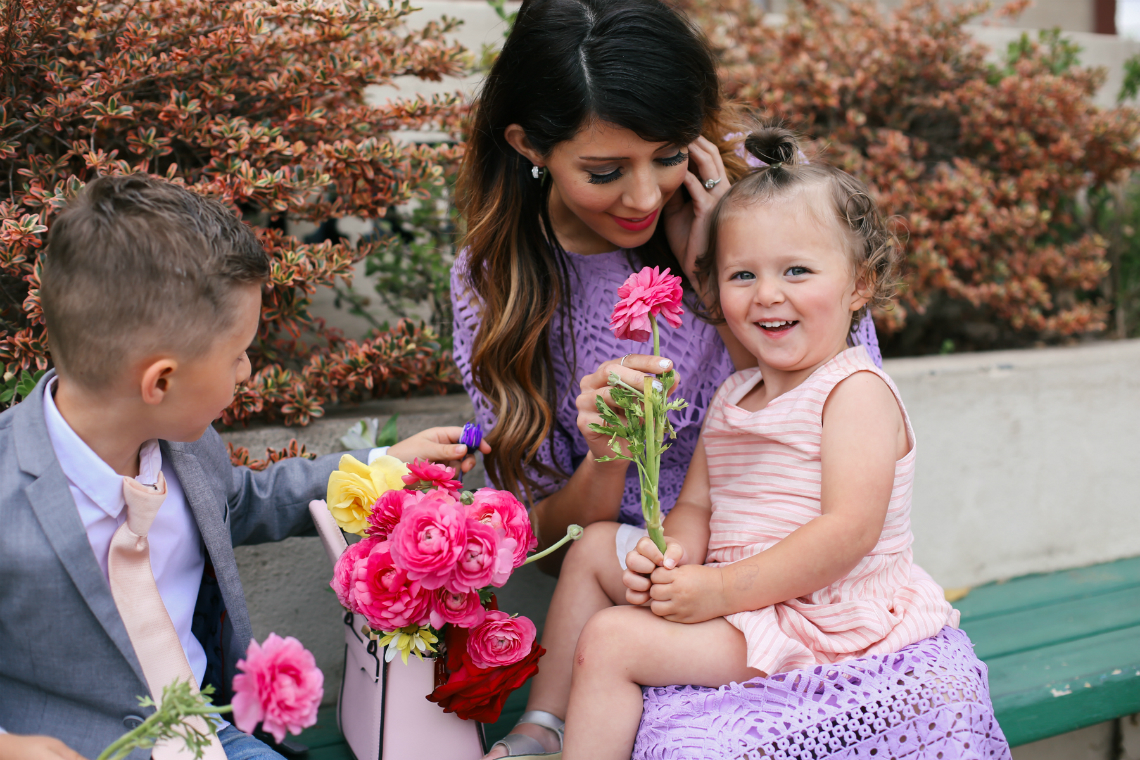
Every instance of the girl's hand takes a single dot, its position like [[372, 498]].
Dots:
[[687, 222], [438, 444], [597, 384], [643, 561], [687, 594]]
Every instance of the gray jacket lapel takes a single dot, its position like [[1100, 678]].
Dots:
[[209, 506], [55, 510]]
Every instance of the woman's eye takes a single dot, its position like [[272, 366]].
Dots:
[[674, 160], [602, 179], [796, 271]]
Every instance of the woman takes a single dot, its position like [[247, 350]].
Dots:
[[586, 129]]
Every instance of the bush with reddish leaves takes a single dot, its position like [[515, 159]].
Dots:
[[259, 104], [987, 166]]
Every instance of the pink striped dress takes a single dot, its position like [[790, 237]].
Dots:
[[765, 475]]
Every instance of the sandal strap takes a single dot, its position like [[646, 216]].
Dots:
[[518, 745], [546, 720]]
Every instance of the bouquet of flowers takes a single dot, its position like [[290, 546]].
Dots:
[[422, 575], [643, 424]]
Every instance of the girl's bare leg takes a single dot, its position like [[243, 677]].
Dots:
[[621, 649], [590, 581]]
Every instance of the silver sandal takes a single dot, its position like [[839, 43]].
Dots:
[[522, 747]]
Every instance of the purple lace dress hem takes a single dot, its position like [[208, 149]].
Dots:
[[929, 701], [695, 348]]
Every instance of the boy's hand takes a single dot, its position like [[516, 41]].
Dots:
[[643, 561], [439, 444], [687, 594], [13, 747]]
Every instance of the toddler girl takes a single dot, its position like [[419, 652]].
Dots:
[[789, 545]]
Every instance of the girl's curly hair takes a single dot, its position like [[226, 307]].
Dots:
[[875, 250]]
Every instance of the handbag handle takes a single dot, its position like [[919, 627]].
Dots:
[[331, 537]]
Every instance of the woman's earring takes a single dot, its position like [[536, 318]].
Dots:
[[536, 171]]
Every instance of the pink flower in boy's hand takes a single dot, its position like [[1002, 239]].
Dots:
[[432, 475], [388, 510], [429, 540], [463, 610], [385, 595], [649, 291], [345, 569], [280, 687], [503, 512], [500, 640]]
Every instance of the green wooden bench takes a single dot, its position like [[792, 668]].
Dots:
[[1063, 650]]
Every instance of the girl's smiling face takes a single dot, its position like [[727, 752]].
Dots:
[[787, 285], [609, 185]]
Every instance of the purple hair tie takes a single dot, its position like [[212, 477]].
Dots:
[[472, 435], [750, 159]]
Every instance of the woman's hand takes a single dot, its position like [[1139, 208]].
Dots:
[[13, 747], [438, 444], [643, 561], [687, 222], [634, 371]]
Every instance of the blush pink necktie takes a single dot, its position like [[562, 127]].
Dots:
[[148, 623]]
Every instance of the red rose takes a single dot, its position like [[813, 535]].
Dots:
[[479, 693]]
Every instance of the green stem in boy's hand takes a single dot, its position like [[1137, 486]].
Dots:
[[165, 723], [573, 533]]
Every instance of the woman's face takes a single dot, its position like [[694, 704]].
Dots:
[[610, 187]]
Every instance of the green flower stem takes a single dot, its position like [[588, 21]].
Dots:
[[654, 405], [573, 533], [130, 741]]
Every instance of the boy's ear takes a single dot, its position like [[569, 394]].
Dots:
[[156, 380], [515, 135]]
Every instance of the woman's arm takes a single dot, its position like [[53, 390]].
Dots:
[[863, 437]]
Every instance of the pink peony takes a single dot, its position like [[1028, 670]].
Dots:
[[346, 567], [432, 475], [388, 510], [500, 640], [429, 540], [503, 512], [384, 594], [463, 610], [487, 559], [280, 687], [649, 291]]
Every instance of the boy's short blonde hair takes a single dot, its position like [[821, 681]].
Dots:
[[136, 265]]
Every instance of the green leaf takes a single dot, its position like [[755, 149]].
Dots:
[[388, 436]]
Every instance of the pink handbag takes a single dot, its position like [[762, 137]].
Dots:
[[382, 711]]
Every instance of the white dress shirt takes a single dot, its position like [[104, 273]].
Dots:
[[177, 555]]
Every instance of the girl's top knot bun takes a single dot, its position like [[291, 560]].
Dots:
[[775, 146]]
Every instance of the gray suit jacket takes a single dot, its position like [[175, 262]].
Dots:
[[67, 668]]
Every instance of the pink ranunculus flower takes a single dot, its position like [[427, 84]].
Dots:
[[432, 475], [388, 510], [500, 640], [279, 686], [503, 512], [463, 610], [345, 568], [649, 291], [487, 559], [385, 595], [429, 540]]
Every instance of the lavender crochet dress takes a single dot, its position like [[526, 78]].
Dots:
[[695, 348]]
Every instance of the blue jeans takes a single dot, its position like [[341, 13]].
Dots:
[[239, 746]]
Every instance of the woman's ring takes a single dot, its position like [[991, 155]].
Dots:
[[711, 183], [622, 362]]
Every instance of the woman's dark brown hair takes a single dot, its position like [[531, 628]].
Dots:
[[875, 250], [637, 64]]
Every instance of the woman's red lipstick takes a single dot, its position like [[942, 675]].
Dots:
[[636, 225]]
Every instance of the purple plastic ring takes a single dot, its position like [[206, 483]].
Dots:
[[472, 435]]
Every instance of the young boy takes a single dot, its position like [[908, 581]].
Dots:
[[151, 295]]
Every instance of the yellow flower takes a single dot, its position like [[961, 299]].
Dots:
[[410, 640], [356, 486]]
